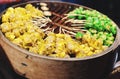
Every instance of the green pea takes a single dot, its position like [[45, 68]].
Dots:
[[113, 30], [80, 17], [103, 37], [100, 28], [71, 17], [93, 31], [96, 27], [79, 35], [109, 34], [110, 38], [108, 42], [88, 25], [77, 11]]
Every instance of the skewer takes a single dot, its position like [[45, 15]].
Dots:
[[46, 29], [77, 24], [70, 32], [78, 27], [63, 31], [57, 15], [76, 21], [60, 30], [68, 28], [72, 14], [53, 29]]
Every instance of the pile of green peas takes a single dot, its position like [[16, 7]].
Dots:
[[96, 23]]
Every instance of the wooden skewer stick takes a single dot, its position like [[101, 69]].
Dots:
[[70, 32], [60, 30], [78, 27], [81, 24], [63, 31], [73, 14], [68, 28]]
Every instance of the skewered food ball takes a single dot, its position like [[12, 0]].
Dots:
[[43, 4], [44, 8], [47, 13]]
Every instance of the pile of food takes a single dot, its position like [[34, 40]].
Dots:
[[23, 27]]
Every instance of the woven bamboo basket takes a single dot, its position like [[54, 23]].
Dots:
[[34, 66]]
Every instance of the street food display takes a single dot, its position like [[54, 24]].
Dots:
[[85, 32]]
